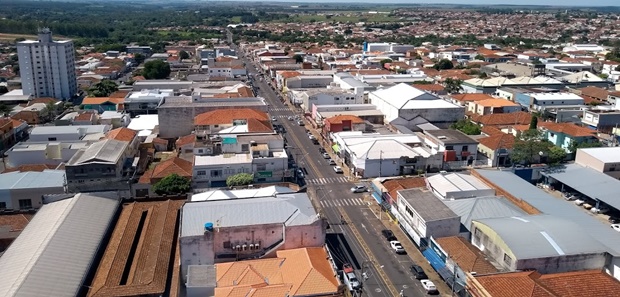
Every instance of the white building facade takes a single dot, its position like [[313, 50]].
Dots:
[[47, 67]]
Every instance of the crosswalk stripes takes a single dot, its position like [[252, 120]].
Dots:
[[279, 109], [327, 180], [342, 202]]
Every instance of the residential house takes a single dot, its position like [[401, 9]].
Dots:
[[601, 120], [114, 119], [435, 89], [496, 147], [343, 123], [85, 118], [33, 114], [501, 120], [330, 96], [145, 101], [161, 170], [185, 144], [465, 99], [11, 131], [67, 133], [453, 145], [104, 165], [602, 159], [490, 106], [127, 135], [407, 106], [565, 135], [102, 104]]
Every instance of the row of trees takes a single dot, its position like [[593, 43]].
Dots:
[[176, 184]]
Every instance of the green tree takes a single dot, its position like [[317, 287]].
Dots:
[[52, 109], [556, 155], [528, 147], [172, 184], [3, 90], [574, 146], [156, 69], [298, 59], [139, 58], [239, 179], [466, 127], [443, 64], [385, 61], [534, 123], [103, 88], [452, 85], [183, 55], [479, 57], [4, 109]]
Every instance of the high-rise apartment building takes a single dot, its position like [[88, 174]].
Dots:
[[47, 67]]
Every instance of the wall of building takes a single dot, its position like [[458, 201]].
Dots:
[[435, 115], [34, 194], [564, 264], [56, 137], [17, 158], [443, 228]]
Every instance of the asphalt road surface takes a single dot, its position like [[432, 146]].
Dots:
[[358, 239]]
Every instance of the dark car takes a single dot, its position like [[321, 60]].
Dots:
[[322, 150], [388, 235], [613, 220], [418, 272]]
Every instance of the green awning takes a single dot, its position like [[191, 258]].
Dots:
[[229, 140], [336, 148]]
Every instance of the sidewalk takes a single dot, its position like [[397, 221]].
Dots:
[[412, 250]]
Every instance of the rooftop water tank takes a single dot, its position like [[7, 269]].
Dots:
[[209, 227]]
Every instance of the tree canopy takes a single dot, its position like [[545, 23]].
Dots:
[[183, 55], [172, 184], [529, 147], [443, 64], [156, 69], [298, 59], [239, 179], [103, 88], [452, 85], [466, 127]]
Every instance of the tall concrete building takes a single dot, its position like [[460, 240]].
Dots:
[[47, 67]]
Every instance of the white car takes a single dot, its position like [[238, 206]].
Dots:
[[331, 162], [359, 189], [429, 286], [338, 169], [326, 155], [615, 227], [397, 247], [579, 202], [274, 119]]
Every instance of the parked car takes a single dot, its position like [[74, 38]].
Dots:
[[311, 137], [290, 118], [613, 220], [300, 173], [429, 286], [615, 227], [418, 272], [359, 189], [579, 201], [331, 162], [397, 247], [326, 155], [389, 236], [338, 169], [322, 150], [274, 119], [300, 123]]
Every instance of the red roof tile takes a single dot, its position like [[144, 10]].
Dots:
[[171, 166], [503, 119], [343, 117], [568, 129], [397, 184], [121, 134], [466, 255]]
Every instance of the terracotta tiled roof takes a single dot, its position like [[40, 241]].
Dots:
[[245, 92], [15, 222], [595, 92], [429, 87], [503, 119], [498, 141], [496, 103], [86, 116], [586, 283], [160, 140], [289, 74], [32, 167], [258, 121], [100, 100], [471, 97], [295, 272], [17, 123], [45, 100], [174, 165], [467, 256], [491, 130], [119, 94], [568, 129], [395, 185], [187, 139], [344, 117], [121, 134]]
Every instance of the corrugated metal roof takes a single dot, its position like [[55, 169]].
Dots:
[[54, 253], [429, 207], [31, 179], [483, 208], [108, 150], [542, 236], [594, 184], [401, 94], [289, 209], [457, 182], [547, 204], [271, 191]]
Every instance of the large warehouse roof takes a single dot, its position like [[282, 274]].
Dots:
[[54, 253]]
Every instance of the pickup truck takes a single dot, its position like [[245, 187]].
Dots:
[[349, 277]]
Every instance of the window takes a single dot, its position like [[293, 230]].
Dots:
[[245, 147], [51, 139], [409, 211], [465, 148], [2, 205], [507, 260], [202, 172], [449, 147], [25, 203], [216, 173]]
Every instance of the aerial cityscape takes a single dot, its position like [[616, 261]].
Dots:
[[309, 149]]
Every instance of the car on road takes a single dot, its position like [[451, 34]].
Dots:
[[322, 150], [615, 227], [338, 169], [311, 137], [290, 118], [359, 189], [300, 123], [331, 162], [429, 286], [397, 247], [389, 236], [274, 119], [418, 272], [326, 155], [300, 173], [613, 220]]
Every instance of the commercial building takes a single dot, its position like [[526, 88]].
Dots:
[[237, 229], [481, 208], [55, 253], [145, 101], [50, 153], [405, 105], [25, 190], [602, 159], [47, 67], [310, 98], [68, 133], [457, 186], [453, 145]]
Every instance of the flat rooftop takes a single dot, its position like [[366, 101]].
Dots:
[[424, 202], [143, 269], [604, 154], [222, 159]]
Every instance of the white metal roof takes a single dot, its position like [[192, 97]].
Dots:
[[32, 179], [604, 154], [107, 151], [144, 122], [401, 94], [270, 191], [556, 96], [457, 182], [54, 253]]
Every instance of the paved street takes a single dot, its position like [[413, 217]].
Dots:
[[358, 240]]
